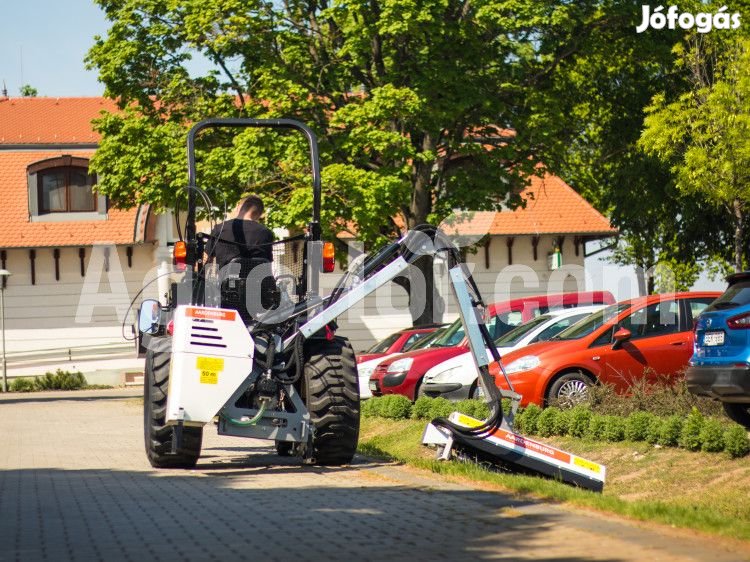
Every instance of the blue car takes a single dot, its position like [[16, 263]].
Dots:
[[720, 365]]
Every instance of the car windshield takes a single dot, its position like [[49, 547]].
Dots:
[[426, 341], [591, 323], [452, 335], [735, 295], [516, 334], [383, 345]]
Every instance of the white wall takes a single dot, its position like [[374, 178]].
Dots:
[[59, 313]]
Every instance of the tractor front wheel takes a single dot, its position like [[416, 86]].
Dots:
[[331, 395], [158, 436]]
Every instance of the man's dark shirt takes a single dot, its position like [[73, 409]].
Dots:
[[249, 233]]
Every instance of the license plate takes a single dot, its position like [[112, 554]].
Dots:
[[713, 338], [373, 385]]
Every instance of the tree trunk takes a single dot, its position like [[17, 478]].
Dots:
[[426, 308], [739, 234]]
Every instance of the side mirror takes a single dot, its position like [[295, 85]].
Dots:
[[148, 316], [620, 336]]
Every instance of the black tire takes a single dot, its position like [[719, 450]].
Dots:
[[158, 437], [738, 412], [568, 389], [331, 395]]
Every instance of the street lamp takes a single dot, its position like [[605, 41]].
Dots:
[[4, 274]]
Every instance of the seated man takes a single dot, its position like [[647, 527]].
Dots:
[[246, 237]]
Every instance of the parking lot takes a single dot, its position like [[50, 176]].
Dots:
[[75, 485]]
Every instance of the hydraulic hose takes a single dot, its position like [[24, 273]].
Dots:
[[251, 421]]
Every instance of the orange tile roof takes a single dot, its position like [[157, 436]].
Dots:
[[50, 120], [17, 232], [552, 207]]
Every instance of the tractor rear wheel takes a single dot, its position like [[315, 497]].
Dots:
[[331, 395], [158, 436]]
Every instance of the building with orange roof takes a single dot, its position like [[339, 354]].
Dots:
[[77, 263]]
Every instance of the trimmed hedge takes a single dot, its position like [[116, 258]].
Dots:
[[693, 432], [59, 380]]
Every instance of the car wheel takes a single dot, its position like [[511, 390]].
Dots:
[[568, 390], [738, 412], [475, 393]]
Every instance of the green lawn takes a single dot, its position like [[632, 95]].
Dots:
[[704, 491]]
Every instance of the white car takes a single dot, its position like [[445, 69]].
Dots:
[[456, 378]]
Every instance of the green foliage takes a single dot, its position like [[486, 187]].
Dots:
[[545, 424], [421, 408], [394, 406], [736, 443], [712, 436], [369, 408], [441, 408], [690, 437], [654, 430], [596, 427], [59, 380], [22, 384], [614, 428], [580, 418], [468, 407], [671, 430], [562, 422], [28, 91], [637, 426], [526, 421]]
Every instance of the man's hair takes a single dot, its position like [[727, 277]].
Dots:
[[251, 202]]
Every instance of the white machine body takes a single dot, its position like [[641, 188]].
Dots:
[[212, 354]]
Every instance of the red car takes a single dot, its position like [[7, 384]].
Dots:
[[395, 343], [647, 336], [403, 373]]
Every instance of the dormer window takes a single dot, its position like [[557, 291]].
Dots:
[[61, 188]]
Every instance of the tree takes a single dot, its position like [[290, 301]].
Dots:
[[703, 133], [411, 100], [28, 91]]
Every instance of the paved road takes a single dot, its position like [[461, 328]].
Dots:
[[75, 485]]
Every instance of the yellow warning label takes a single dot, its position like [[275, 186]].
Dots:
[[209, 377], [468, 421], [592, 466], [210, 364]]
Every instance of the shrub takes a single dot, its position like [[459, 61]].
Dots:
[[47, 381], [395, 407], [562, 422], [654, 430], [369, 408], [468, 407], [441, 408], [482, 410], [670, 431], [580, 417], [22, 384], [735, 441], [596, 426], [545, 425], [70, 381], [712, 436], [637, 426], [614, 428], [690, 436], [421, 408], [526, 421]]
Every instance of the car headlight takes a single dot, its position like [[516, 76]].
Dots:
[[445, 376], [400, 365], [523, 364], [365, 372]]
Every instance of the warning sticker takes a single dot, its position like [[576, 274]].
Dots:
[[211, 313], [209, 377], [210, 363], [209, 368], [592, 466]]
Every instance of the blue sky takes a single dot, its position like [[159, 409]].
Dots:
[[43, 43]]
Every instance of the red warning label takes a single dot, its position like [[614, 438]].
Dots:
[[211, 313]]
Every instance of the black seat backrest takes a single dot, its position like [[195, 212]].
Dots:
[[235, 287]]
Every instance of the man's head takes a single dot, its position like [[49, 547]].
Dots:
[[251, 208]]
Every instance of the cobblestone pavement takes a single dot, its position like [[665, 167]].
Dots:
[[75, 485]]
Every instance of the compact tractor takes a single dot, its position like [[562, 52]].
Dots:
[[253, 348]]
